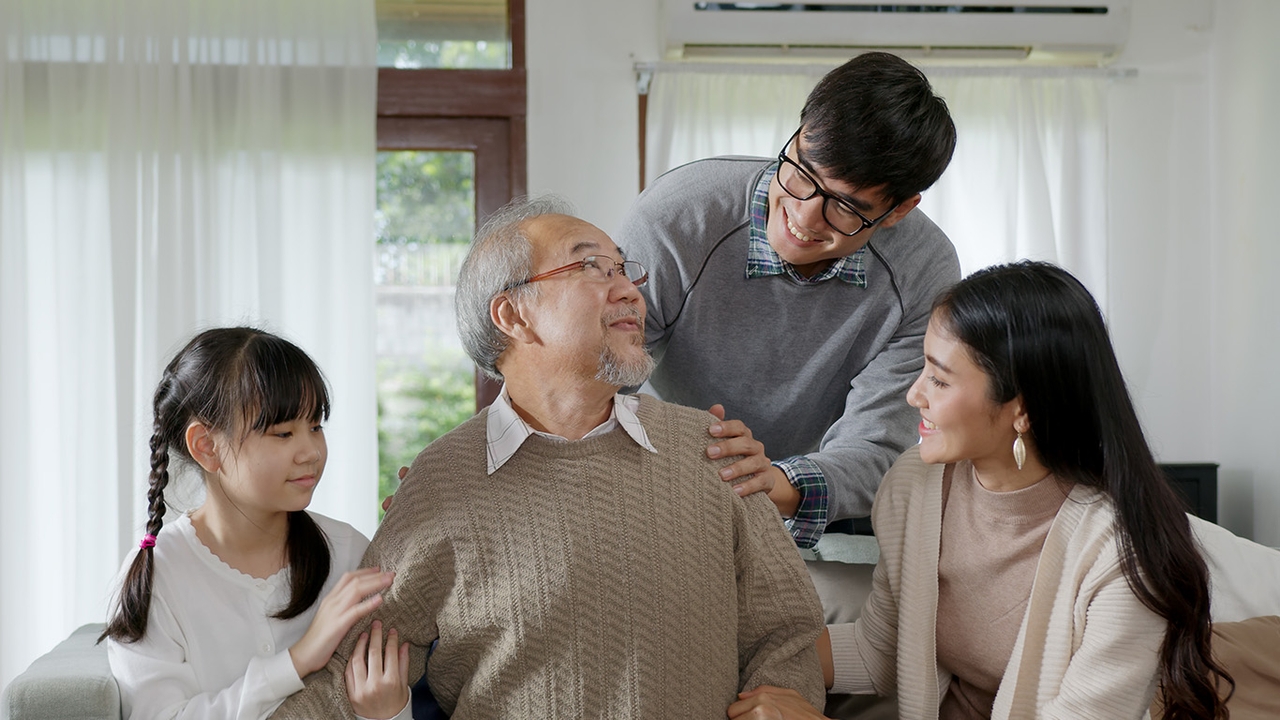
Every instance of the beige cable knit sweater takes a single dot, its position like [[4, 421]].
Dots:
[[590, 579]]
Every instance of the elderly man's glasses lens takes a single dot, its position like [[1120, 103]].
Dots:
[[799, 184], [598, 268]]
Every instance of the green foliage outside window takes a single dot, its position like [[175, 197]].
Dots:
[[444, 54], [424, 222], [431, 403], [425, 197]]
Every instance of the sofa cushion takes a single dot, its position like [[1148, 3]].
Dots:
[[71, 682]]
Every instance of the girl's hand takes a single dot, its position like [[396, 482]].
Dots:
[[357, 594], [386, 501], [378, 687], [773, 703]]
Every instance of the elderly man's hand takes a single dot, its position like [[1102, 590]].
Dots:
[[773, 703]]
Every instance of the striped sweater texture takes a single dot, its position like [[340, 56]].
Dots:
[[590, 579]]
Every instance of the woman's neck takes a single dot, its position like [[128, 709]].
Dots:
[[1005, 476]]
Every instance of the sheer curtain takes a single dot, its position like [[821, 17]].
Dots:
[[1029, 176], [165, 166]]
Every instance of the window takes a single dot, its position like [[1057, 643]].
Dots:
[[445, 34], [451, 136]]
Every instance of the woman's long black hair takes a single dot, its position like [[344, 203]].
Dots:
[[1038, 333], [233, 380]]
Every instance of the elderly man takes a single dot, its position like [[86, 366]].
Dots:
[[571, 549]]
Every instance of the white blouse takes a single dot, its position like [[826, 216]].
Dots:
[[211, 649]]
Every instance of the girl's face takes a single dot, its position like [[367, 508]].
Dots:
[[278, 470], [958, 419]]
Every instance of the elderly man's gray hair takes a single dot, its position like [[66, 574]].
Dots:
[[500, 256]]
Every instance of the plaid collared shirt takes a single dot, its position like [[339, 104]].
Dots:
[[810, 520], [763, 261], [805, 476]]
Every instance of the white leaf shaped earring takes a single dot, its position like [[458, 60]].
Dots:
[[1019, 451]]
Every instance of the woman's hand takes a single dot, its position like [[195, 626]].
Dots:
[[378, 682], [734, 438], [773, 703], [356, 595]]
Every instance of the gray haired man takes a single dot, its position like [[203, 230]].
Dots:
[[571, 549]]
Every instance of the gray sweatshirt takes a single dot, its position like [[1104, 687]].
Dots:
[[815, 370]]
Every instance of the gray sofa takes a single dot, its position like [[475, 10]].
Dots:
[[70, 682]]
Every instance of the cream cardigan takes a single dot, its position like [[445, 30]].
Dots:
[[1087, 647]]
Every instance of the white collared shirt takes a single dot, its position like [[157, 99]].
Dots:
[[506, 431]]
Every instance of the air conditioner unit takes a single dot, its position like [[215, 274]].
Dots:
[[1095, 30]]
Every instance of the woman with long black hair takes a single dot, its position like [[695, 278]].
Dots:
[[1035, 562]]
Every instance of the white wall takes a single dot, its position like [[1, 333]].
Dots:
[[583, 125], [1245, 365], [1191, 176], [1192, 171], [1161, 206]]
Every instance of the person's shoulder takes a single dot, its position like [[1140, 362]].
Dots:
[[1095, 509], [655, 412], [917, 228], [908, 472], [681, 430], [175, 543], [709, 187], [904, 483], [458, 453], [346, 544], [178, 556], [339, 533], [463, 437], [917, 248], [725, 168]]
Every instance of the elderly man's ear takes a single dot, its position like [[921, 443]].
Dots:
[[508, 318]]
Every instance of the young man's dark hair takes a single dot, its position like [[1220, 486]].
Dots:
[[876, 121]]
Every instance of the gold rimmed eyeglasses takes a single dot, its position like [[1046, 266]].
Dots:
[[598, 268]]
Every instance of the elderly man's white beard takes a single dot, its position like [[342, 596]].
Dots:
[[615, 370]]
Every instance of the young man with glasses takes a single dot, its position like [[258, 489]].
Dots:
[[796, 291]]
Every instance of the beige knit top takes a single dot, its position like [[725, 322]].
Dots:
[[587, 579], [990, 546]]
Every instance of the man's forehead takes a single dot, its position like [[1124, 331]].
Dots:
[[564, 236], [865, 199]]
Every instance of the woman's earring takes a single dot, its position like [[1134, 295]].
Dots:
[[1019, 451]]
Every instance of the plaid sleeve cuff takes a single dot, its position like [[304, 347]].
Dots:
[[810, 520]]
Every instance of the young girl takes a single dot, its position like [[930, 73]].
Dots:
[[218, 611]]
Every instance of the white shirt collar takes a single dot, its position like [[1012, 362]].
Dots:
[[506, 431]]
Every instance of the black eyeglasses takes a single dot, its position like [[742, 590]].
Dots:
[[597, 268], [799, 184]]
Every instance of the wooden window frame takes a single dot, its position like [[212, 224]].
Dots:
[[481, 111]]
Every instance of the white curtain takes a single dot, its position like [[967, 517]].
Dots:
[[166, 166], [1028, 179]]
